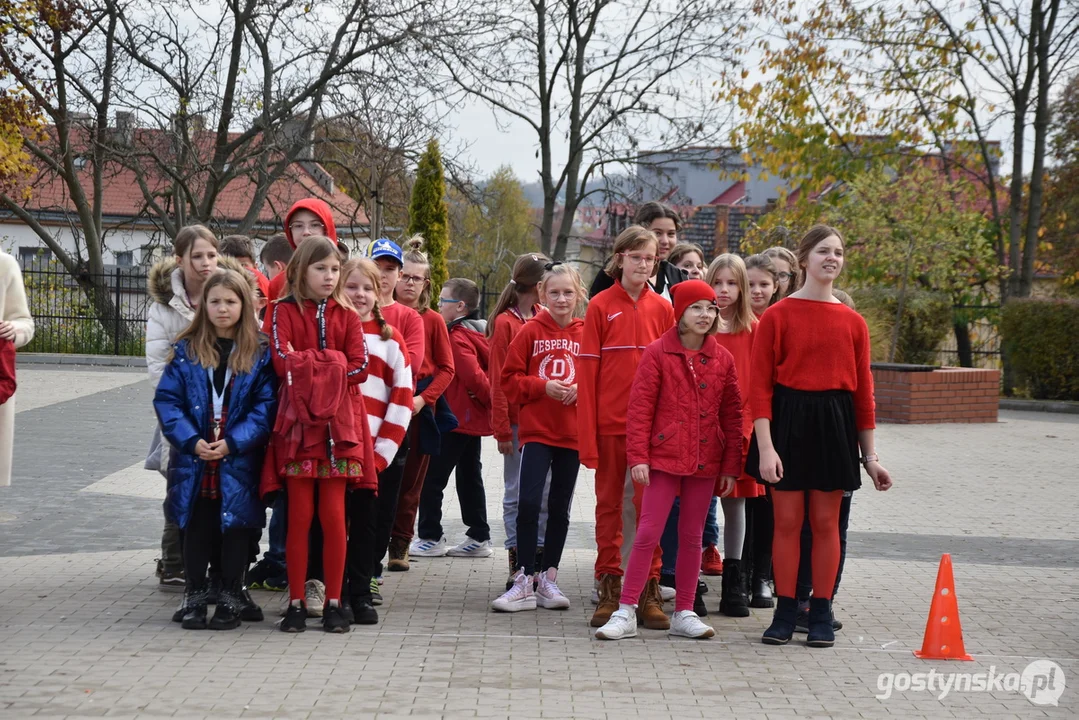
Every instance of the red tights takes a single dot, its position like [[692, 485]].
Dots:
[[331, 514], [789, 510]]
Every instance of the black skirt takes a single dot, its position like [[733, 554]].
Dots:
[[816, 437]]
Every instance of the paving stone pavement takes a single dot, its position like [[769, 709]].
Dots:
[[84, 630]]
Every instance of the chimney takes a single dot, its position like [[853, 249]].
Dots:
[[125, 127]]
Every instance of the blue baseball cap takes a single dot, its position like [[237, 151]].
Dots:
[[384, 248]]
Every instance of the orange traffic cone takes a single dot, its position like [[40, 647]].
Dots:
[[943, 633]]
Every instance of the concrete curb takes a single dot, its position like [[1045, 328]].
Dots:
[[1051, 406], [95, 360]]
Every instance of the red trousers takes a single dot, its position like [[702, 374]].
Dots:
[[408, 502], [331, 515], [618, 508]]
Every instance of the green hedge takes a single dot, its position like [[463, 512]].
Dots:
[[927, 319], [1042, 340]]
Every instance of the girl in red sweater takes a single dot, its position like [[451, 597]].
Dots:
[[620, 323], [432, 377], [540, 375], [763, 283], [518, 303], [384, 401], [679, 450], [318, 350], [812, 402]]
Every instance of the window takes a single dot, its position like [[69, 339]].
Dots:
[[34, 255], [125, 258]]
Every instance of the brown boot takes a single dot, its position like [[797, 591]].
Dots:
[[610, 590], [398, 550], [650, 609]]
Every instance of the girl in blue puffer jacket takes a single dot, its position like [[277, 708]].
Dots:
[[216, 403]]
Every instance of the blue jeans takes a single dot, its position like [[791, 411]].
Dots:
[[278, 525], [669, 540]]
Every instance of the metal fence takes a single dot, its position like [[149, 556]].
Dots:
[[67, 321]]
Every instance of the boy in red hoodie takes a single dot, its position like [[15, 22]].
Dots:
[[469, 397], [620, 323]]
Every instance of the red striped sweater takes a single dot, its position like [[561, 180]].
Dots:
[[387, 392]]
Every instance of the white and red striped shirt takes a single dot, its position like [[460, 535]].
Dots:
[[387, 392]]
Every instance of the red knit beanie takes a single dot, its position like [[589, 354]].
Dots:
[[688, 292]]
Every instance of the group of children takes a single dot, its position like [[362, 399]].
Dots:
[[351, 410]]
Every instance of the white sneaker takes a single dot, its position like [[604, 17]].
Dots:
[[518, 597], [547, 593], [685, 623], [472, 549], [623, 624], [667, 593], [428, 548], [315, 597]]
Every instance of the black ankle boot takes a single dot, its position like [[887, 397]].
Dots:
[[195, 617], [732, 599], [698, 601], [762, 592], [782, 627], [821, 633], [226, 611]]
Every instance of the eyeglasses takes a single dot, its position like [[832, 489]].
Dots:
[[706, 310], [638, 259], [447, 301], [299, 227], [785, 275], [413, 279]]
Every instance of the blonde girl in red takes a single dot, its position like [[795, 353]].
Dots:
[[318, 351], [518, 303], [540, 375]]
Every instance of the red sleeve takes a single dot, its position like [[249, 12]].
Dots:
[[730, 423], [762, 372], [468, 371], [442, 355], [500, 404], [412, 331], [641, 412], [354, 347], [520, 387], [278, 325], [587, 387], [865, 410]]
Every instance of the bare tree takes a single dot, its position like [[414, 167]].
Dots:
[[605, 78]]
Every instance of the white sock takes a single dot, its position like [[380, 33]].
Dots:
[[628, 608]]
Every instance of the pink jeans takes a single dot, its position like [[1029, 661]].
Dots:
[[663, 488]]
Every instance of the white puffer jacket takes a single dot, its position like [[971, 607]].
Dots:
[[171, 311]]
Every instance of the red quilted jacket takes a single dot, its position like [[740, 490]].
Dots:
[[685, 411]]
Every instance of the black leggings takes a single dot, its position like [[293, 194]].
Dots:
[[362, 509], [202, 536], [536, 460], [389, 491], [757, 549]]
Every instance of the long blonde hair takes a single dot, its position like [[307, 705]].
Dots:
[[369, 270], [313, 250], [559, 269], [743, 318], [201, 335]]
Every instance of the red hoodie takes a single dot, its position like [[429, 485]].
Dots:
[[543, 351], [504, 413], [469, 393], [325, 214]]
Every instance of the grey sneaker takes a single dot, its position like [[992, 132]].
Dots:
[[314, 597]]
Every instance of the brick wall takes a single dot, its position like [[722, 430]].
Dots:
[[959, 395]]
